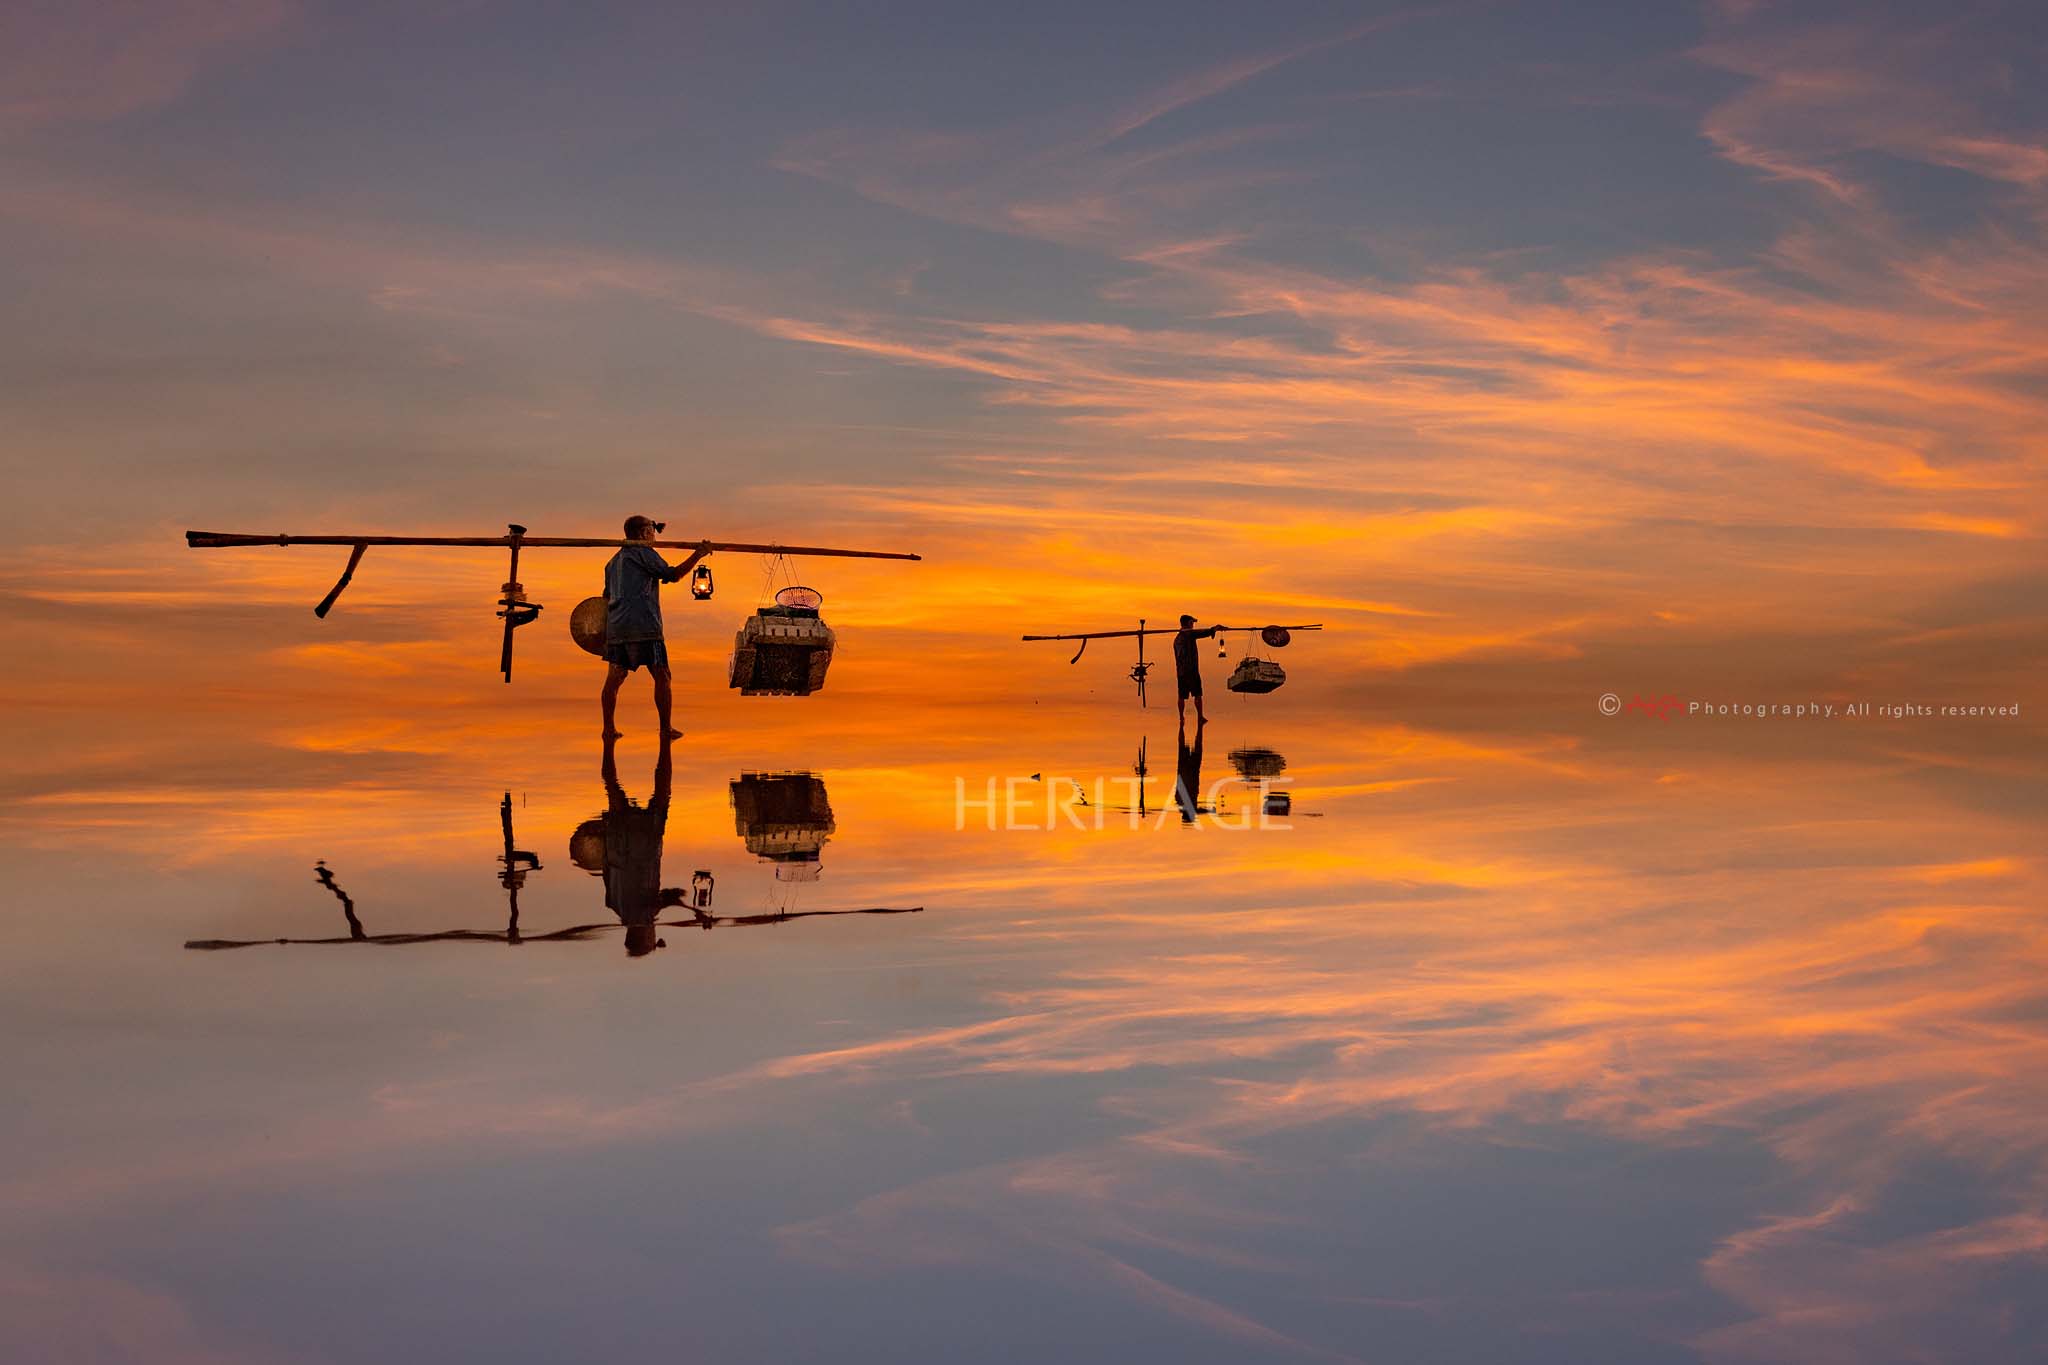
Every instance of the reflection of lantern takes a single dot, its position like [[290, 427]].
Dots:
[[700, 889], [700, 583]]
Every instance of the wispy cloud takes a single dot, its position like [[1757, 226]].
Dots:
[[63, 63]]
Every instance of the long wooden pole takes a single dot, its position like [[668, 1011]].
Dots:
[[1156, 630], [571, 934], [213, 540]]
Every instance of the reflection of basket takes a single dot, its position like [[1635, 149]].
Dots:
[[1253, 764], [783, 817], [1255, 675], [781, 652]]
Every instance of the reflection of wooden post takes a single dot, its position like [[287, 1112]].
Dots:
[[518, 862], [348, 907]]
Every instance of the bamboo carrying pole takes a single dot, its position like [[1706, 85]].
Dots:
[[1155, 630], [515, 610], [214, 540], [1140, 672]]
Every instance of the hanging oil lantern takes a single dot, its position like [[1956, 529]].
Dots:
[[700, 889], [700, 583]]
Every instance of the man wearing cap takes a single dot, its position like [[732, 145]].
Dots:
[[1187, 667], [632, 618]]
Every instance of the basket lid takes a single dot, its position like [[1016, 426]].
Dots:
[[794, 596]]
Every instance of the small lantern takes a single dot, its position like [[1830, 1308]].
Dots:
[[700, 890], [700, 583]]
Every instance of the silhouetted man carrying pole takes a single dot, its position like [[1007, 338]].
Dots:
[[632, 619], [1187, 667]]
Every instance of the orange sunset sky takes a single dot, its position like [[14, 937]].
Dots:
[[1693, 351], [1539, 351]]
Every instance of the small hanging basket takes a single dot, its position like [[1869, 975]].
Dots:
[[783, 650]]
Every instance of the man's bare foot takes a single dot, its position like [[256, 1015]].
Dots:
[[612, 734], [671, 733]]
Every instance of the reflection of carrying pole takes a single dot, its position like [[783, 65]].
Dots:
[[574, 933]]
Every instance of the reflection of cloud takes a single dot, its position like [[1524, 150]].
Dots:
[[1537, 945], [1821, 1299], [1068, 1212]]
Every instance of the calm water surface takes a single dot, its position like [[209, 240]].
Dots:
[[1597, 1044]]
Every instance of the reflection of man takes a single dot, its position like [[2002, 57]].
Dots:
[[632, 852], [632, 619], [1187, 667], [1187, 781]]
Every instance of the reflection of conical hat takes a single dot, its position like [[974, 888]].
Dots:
[[586, 625], [586, 845]]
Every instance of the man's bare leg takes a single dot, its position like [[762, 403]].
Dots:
[[609, 700], [663, 703]]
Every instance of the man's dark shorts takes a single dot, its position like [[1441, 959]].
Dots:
[[1190, 687], [631, 654]]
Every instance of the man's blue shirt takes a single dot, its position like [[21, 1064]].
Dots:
[[632, 594]]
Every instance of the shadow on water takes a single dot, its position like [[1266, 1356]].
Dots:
[[782, 818]]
